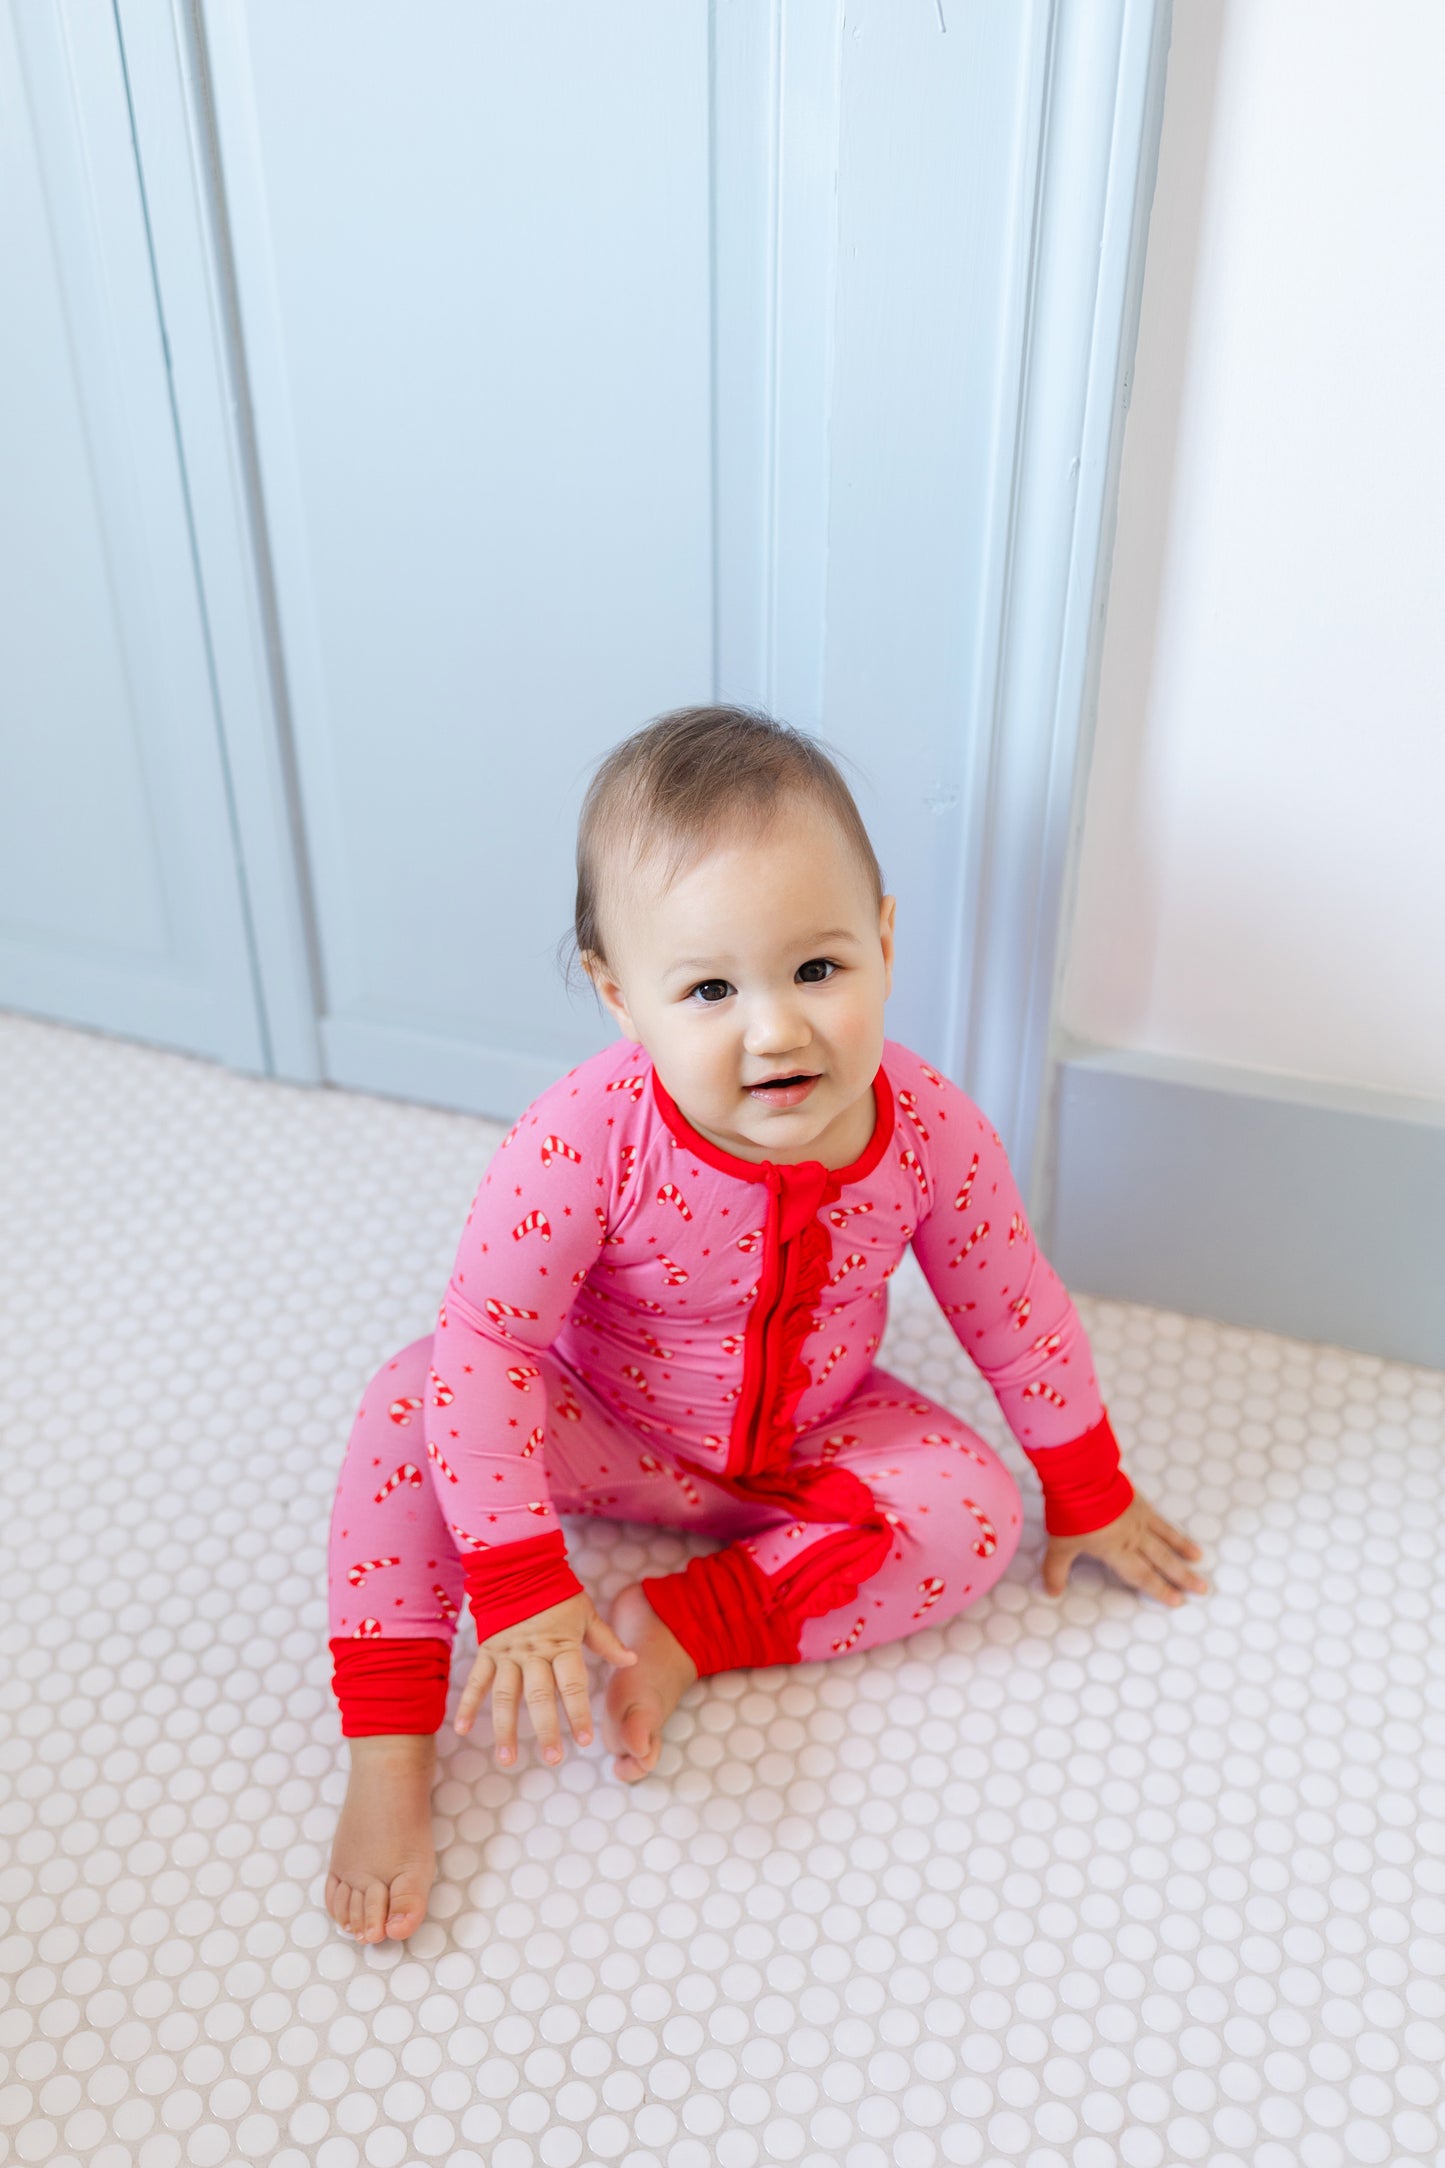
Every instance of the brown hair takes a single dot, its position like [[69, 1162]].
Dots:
[[677, 786]]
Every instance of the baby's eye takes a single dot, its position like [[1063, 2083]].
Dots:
[[711, 1000], [816, 963]]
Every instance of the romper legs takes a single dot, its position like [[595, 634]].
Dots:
[[929, 1519], [937, 1520]]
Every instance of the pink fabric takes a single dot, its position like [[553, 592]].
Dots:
[[593, 1354]]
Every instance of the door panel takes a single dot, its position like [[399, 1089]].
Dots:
[[121, 902]]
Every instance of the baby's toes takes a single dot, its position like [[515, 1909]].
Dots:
[[338, 1900], [638, 1743], [375, 1898], [407, 1907]]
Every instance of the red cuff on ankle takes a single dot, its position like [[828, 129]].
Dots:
[[390, 1684]]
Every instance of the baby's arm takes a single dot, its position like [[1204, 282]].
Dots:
[[536, 1226], [1009, 1309]]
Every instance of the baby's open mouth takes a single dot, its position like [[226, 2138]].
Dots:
[[785, 1090]]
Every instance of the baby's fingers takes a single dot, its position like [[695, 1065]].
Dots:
[[1169, 1548], [571, 1675], [474, 1693], [600, 1637]]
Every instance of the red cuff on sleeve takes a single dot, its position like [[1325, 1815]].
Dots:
[[1084, 1486], [517, 1580], [390, 1685]]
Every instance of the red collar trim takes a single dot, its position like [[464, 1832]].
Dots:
[[756, 1170]]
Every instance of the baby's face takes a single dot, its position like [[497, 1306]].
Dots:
[[767, 959]]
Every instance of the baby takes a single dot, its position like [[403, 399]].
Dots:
[[666, 1306]]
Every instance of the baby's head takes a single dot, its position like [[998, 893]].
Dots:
[[731, 916]]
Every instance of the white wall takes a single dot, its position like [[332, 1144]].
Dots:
[[1262, 871]]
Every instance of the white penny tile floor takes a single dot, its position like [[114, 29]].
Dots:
[[1060, 1884]]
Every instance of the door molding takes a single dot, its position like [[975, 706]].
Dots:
[[170, 105], [1099, 120]]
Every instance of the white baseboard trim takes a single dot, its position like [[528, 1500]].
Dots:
[[1299, 1208]]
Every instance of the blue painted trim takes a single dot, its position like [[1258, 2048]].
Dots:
[[1097, 100], [1268, 1201], [194, 284]]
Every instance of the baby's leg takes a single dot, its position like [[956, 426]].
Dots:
[[599, 1464], [951, 1505], [891, 1515], [395, 1590]]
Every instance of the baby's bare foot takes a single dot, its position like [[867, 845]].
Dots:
[[383, 1862], [642, 1696]]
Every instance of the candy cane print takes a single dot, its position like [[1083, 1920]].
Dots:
[[443, 1396], [960, 1202], [630, 1084], [521, 1375], [554, 1147], [1047, 1343], [751, 1241], [1020, 1306], [538, 1506], [365, 1566], [987, 1542], [406, 1473], [1039, 1391], [442, 1312], [635, 1377], [977, 1236], [1018, 1229], [835, 1354], [400, 1411], [655, 1346], [534, 1439], [940, 1437], [671, 1194], [839, 1214], [434, 1456], [930, 1590], [931, 1074], [496, 1311], [799, 1528], [676, 1276], [626, 1157], [909, 1102], [367, 1630], [567, 1407], [731, 1343], [444, 1602], [534, 1222], [847, 1640], [909, 1158], [478, 1543], [650, 1464], [850, 1263]]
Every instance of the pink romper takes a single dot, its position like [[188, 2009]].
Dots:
[[641, 1325]]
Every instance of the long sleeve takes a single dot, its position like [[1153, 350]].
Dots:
[[1010, 1311], [536, 1226]]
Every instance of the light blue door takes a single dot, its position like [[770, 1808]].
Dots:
[[605, 357], [120, 897]]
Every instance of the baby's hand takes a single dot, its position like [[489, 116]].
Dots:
[[541, 1653], [1142, 1547]]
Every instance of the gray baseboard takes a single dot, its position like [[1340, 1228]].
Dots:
[[1298, 1208]]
